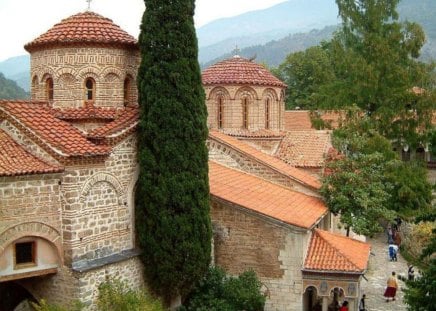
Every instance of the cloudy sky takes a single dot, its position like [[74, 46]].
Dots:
[[21, 21]]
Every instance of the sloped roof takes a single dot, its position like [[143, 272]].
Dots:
[[126, 121], [239, 70], [277, 164], [261, 133], [330, 252], [306, 148], [265, 198], [84, 28], [15, 160], [38, 119], [300, 119]]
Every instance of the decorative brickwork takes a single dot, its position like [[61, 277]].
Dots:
[[70, 66]]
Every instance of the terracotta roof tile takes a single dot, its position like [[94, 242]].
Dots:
[[265, 198], [86, 27], [87, 113], [15, 160], [127, 120], [271, 161], [60, 136], [238, 70], [305, 148], [336, 253], [300, 119]]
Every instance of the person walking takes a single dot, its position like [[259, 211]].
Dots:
[[392, 286], [362, 303], [393, 249]]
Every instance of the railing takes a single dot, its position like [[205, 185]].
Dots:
[[431, 165]]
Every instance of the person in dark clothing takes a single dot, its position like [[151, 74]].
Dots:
[[411, 273], [362, 303]]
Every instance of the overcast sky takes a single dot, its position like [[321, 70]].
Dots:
[[21, 21]]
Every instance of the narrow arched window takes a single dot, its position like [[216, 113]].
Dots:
[[49, 89], [267, 113], [126, 90], [245, 112], [89, 89], [220, 112]]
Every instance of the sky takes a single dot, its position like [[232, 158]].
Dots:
[[21, 21]]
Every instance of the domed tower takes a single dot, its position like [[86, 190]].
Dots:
[[241, 94], [84, 60]]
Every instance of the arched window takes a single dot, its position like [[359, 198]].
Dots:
[[267, 113], [220, 112], [126, 94], [89, 89], [49, 89], [245, 112]]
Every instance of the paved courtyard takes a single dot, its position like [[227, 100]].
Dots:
[[380, 268]]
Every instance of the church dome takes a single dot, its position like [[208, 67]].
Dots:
[[239, 70], [83, 28]]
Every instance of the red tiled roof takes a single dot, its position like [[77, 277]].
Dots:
[[15, 160], [87, 113], [265, 198], [238, 70], [86, 27], [300, 119], [305, 148], [127, 120], [278, 165], [332, 252], [39, 119], [297, 120]]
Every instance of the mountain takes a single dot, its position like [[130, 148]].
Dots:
[[10, 90], [261, 26], [273, 53], [17, 69]]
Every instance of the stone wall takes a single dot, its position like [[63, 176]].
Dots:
[[243, 240], [70, 67], [97, 217], [232, 111]]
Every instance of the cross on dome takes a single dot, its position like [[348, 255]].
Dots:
[[89, 4]]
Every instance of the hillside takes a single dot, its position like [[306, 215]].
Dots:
[[10, 90], [274, 52], [17, 69], [259, 27]]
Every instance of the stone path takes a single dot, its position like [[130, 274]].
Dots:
[[380, 268]]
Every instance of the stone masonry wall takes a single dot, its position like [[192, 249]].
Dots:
[[230, 157], [97, 219], [244, 241], [69, 68], [232, 106]]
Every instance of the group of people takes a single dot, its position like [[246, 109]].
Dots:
[[394, 239]]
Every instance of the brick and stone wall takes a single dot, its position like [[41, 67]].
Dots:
[[243, 240], [232, 112], [70, 67]]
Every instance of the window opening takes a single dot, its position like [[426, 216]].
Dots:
[[220, 112], [89, 89], [25, 254], [245, 113], [267, 113], [126, 91], [49, 88]]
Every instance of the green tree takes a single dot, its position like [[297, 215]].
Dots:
[[376, 66], [172, 197], [305, 72], [420, 294], [217, 292]]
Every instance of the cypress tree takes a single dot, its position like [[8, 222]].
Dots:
[[172, 197]]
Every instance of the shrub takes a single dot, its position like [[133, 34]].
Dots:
[[216, 292], [116, 295]]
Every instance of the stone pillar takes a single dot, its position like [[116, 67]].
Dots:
[[325, 302]]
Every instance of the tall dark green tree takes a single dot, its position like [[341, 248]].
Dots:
[[376, 65], [172, 197]]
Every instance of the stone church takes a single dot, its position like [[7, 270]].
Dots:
[[68, 170]]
